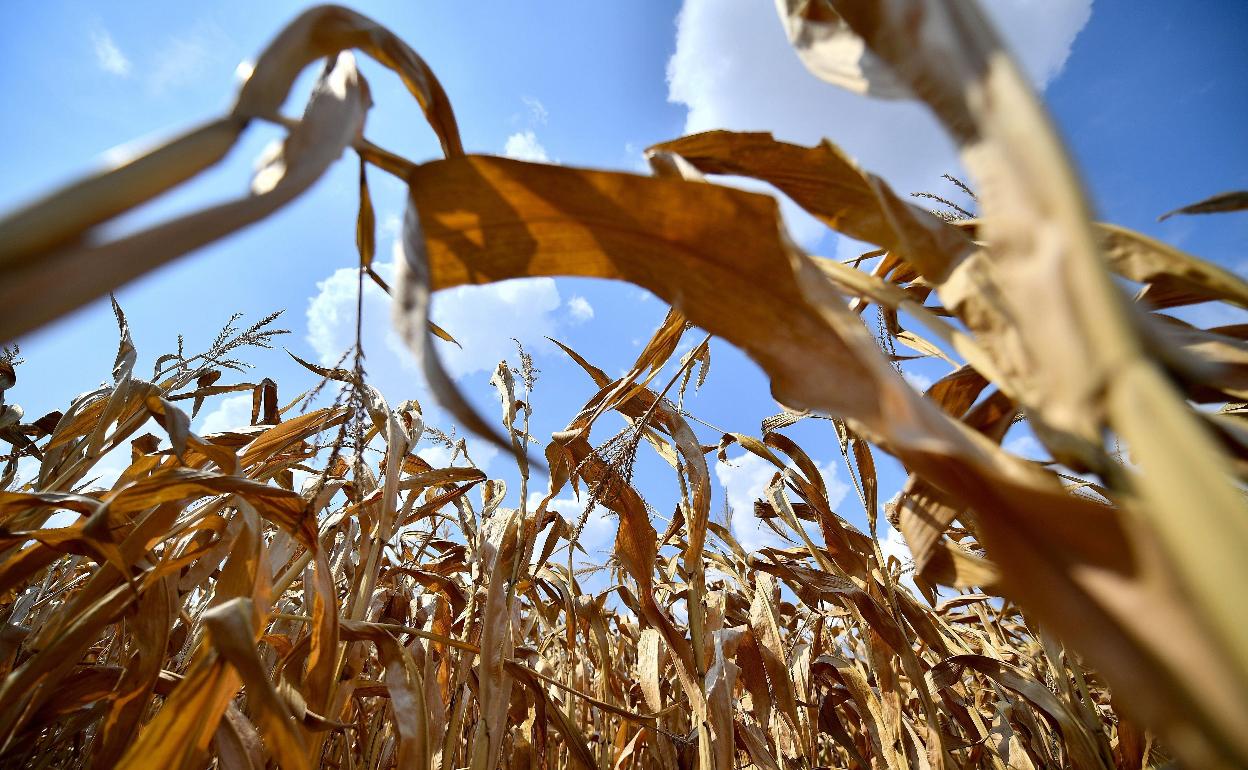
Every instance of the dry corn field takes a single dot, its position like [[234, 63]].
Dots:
[[1086, 611]]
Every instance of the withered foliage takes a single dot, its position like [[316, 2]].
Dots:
[[202, 611]]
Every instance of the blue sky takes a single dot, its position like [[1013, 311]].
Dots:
[[1151, 97]]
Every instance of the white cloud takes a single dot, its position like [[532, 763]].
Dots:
[[804, 228], [299, 478], [523, 145], [480, 451], [229, 413], [734, 68], [27, 471], [105, 471], [579, 309], [484, 319], [1026, 446], [391, 225], [745, 479], [108, 55], [437, 455], [1040, 32], [331, 313], [598, 534], [186, 58], [918, 381], [893, 544]]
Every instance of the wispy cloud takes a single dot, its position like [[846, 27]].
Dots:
[[180, 60], [108, 55], [193, 54], [537, 111]]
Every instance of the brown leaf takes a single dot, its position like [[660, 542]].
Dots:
[[39, 284], [1216, 204]]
